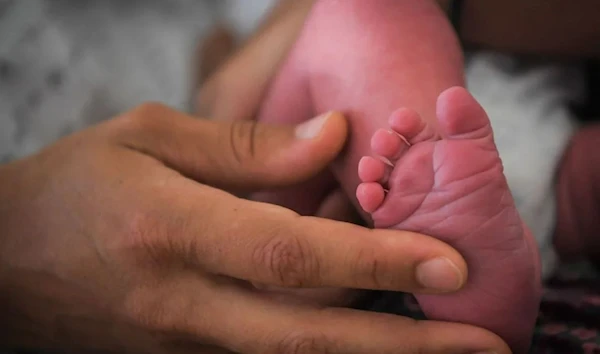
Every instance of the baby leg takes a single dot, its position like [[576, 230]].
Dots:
[[364, 58], [367, 58], [289, 102]]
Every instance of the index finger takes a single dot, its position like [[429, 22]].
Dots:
[[272, 245]]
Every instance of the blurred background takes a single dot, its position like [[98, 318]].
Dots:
[[66, 64]]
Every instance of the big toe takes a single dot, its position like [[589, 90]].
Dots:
[[461, 116]]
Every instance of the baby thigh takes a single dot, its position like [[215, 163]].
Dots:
[[288, 102], [370, 58]]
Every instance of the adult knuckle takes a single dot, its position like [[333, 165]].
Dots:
[[305, 342], [288, 259], [143, 238], [140, 228], [370, 268], [242, 140], [155, 240]]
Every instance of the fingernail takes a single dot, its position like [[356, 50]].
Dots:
[[312, 128], [439, 274]]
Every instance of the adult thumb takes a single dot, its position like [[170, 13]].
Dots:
[[253, 155], [236, 155]]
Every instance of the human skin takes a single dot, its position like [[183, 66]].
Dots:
[[110, 242], [533, 30], [365, 75], [451, 185], [484, 25], [369, 59], [246, 77], [552, 29]]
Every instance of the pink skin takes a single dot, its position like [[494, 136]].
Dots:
[[353, 56], [356, 56], [454, 189]]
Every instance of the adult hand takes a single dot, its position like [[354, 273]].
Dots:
[[121, 238], [244, 78]]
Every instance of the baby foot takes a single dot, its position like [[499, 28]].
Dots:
[[452, 187]]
